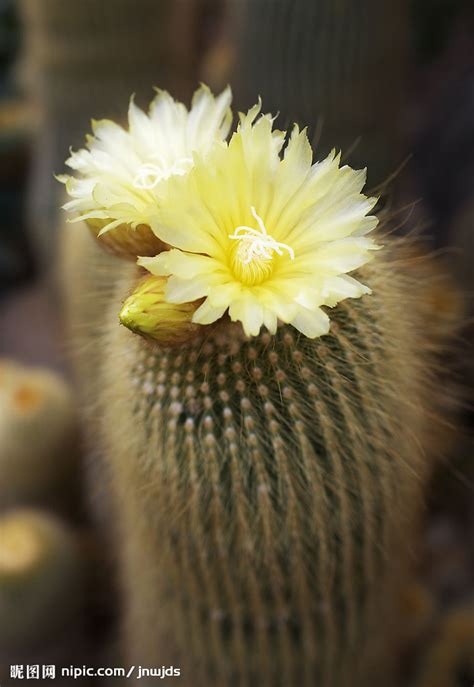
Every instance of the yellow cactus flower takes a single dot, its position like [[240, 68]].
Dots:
[[119, 173], [263, 236]]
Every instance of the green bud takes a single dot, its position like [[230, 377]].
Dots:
[[147, 313]]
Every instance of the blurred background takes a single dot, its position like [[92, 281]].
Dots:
[[390, 83]]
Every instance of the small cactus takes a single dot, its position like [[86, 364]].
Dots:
[[37, 421], [40, 578], [265, 491]]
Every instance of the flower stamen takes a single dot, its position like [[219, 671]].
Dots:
[[257, 243], [149, 175]]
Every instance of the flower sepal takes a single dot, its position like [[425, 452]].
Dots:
[[126, 242]]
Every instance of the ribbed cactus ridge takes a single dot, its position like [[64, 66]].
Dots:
[[267, 490]]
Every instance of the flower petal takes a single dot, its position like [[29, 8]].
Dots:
[[190, 229], [209, 115], [225, 293], [186, 290], [332, 258], [180, 264], [207, 313], [249, 311], [311, 323], [338, 288]]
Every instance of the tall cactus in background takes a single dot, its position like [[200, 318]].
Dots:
[[335, 62], [265, 491], [93, 54]]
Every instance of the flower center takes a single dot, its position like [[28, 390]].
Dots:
[[150, 174], [253, 253]]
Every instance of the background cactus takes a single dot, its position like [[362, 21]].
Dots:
[[450, 658], [336, 64], [41, 579], [93, 52], [37, 431], [265, 492]]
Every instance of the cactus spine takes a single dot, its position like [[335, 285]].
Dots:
[[266, 491]]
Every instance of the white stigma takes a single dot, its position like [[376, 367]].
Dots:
[[258, 243], [150, 174]]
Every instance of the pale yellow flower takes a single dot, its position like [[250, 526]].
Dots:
[[263, 236], [119, 173]]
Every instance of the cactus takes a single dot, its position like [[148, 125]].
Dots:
[[419, 608], [81, 263], [40, 578], [450, 658], [69, 60], [336, 62], [37, 423], [265, 492]]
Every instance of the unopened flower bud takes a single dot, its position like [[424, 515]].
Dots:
[[147, 313]]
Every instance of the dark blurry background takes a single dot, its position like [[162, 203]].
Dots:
[[390, 83]]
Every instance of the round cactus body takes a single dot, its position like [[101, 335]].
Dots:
[[40, 578], [37, 422]]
